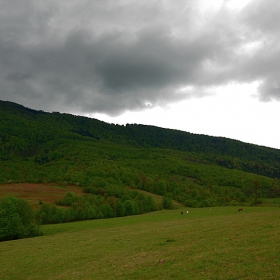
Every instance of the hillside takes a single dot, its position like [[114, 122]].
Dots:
[[196, 170]]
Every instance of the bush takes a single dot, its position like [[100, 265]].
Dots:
[[192, 203], [120, 209], [233, 203], [130, 208], [107, 211], [167, 202], [16, 219]]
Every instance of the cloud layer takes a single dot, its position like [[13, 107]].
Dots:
[[113, 56]]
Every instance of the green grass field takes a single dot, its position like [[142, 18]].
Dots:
[[204, 244]]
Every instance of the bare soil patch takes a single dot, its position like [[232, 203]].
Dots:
[[33, 193]]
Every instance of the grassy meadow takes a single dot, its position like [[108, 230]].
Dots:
[[206, 243]]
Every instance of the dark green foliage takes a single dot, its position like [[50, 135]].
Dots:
[[50, 214], [68, 200], [77, 208], [192, 203], [129, 208], [120, 211], [167, 201], [256, 190], [26, 132], [106, 210], [16, 219]]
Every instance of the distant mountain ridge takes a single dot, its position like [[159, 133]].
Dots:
[[24, 131]]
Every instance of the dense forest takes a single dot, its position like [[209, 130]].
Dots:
[[107, 159]]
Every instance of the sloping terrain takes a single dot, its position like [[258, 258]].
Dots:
[[196, 170]]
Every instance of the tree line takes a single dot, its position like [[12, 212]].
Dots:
[[19, 220]]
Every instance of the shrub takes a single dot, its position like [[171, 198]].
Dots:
[[16, 219], [120, 209], [192, 203], [233, 203], [167, 202], [107, 211], [129, 208]]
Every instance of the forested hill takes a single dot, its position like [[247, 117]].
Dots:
[[26, 133]]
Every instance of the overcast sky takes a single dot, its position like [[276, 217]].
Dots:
[[209, 67]]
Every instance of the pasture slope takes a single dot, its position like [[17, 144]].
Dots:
[[216, 243]]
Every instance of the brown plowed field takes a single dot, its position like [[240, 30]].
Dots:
[[33, 193]]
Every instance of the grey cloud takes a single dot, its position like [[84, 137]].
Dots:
[[93, 60], [261, 20], [263, 16], [270, 89]]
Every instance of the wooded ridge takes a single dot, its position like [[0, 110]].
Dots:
[[196, 170], [24, 131]]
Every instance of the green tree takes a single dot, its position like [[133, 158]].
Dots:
[[192, 203], [120, 211], [256, 190], [80, 213], [151, 203], [107, 210], [276, 188], [161, 187], [129, 208], [167, 201], [90, 211], [16, 219]]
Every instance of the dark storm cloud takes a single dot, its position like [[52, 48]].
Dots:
[[112, 56], [264, 18]]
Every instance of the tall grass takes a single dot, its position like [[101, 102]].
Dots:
[[204, 244]]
